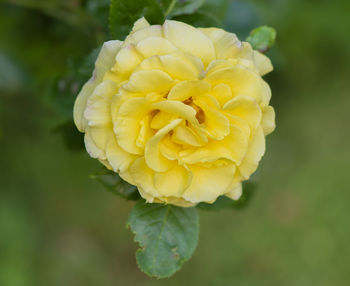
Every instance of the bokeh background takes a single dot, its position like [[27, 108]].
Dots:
[[59, 227]]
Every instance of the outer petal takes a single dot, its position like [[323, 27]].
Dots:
[[209, 183], [96, 139], [246, 108], [255, 151], [104, 62], [141, 34], [117, 157], [226, 44], [189, 39], [263, 63], [97, 112], [140, 24], [143, 178], [173, 182], [127, 59], [235, 192], [268, 120]]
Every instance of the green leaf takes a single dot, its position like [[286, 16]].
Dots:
[[262, 38], [167, 236], [116, 185], [179, 7], [124, 13], [223, 202], [200, 19]]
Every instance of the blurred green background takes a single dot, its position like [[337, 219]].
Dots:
[[59, 227]]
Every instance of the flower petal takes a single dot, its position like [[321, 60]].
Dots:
[[226, 44], [246, 108], [233, 147], [141, 34], [263, 63], [235, 191], [127, 59], [255, 151], [186, 89], [222, 93], [155, 46], [127, 124], [173, 182], [119, 160], [140, 24], [208, 183], [96, 139], [149, 81], [143, 178], [216, 125], [154, 159], [242, 81], [97, 112], [104, 62], [178, 108], [190, 40], [187, 136], [268, 120]]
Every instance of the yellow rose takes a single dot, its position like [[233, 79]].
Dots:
[[180, 112]]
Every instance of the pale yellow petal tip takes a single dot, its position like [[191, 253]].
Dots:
[[140, 24], [268, 121], [236, 193], [263, 63]]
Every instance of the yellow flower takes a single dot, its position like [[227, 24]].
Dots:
[[180, 112]]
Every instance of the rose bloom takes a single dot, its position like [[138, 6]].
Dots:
[[178, 111]]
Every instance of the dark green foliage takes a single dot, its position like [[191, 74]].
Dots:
[[72, 138], [114, 184], [124, 13]]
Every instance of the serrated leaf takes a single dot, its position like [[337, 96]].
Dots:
[[223, 202], [124, 13], [262, 38], [167, 236], [116, 185]]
